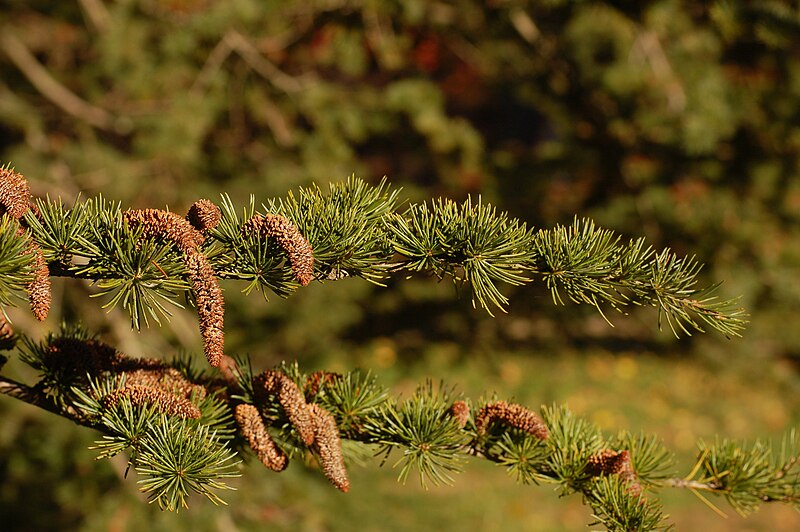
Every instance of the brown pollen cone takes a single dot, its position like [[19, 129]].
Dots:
[[39, 293], [291, 399], [329, 447], [289, 237], [15, 200], [317, 380], [82, 356], [167, 403], [610, 462], [460, 412], [513, 415], [210, 305], [255, 432], [203, 215], [15, 193], [208, 294], [165, 224]]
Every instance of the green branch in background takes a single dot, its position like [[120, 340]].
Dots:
[[184, 426]]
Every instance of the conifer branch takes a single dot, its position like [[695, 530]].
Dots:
[[135, 404], [145, 259], [183, 426]]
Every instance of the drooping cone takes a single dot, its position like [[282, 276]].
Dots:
[[255, 432]]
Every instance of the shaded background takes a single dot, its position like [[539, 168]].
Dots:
[[678, 121]]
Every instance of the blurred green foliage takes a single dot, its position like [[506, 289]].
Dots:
[[674, 120]]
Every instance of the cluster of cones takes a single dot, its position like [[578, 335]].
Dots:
[[145, 380], [148, 381], [187, 234], [315, 426], [604, 462]]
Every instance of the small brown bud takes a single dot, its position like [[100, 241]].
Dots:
[[606, 462], [289, 238], [513, 415], [6, 331], [167, 403], [610, 462], [329, 447], [317, 380], [15, 193], [460, 412], [291, 399], [165, 224], [204, 215]]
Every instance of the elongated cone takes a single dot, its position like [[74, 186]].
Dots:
[[208, 294], [255, 432], [513, 415], [329, 447], [291, 399], [289, 238], [15, 201]]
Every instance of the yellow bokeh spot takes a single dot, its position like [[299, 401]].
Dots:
[[604, 418], [684, 439], [599, 367], [510, 372], [626, 368], [384, 353]]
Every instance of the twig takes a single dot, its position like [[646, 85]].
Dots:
[[650, 49], [689, 484], [233, 41], [213, 63], [97, 14], [34, 397], [277, 123], [381, 38], [261, 64], [524, 25], [52, 89]]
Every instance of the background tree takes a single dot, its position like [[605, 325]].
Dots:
[[673, 120]]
